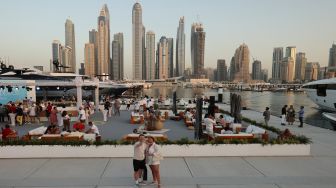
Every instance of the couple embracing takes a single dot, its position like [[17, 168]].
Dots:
[[146, 151]]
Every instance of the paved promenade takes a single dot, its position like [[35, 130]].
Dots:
[[317, 170]]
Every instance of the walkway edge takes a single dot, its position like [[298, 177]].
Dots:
[[193, 150]]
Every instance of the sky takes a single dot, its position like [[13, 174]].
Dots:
[[28, 27]]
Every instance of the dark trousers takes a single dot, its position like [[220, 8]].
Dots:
[[144, 174], [2, 117], [301, 121]]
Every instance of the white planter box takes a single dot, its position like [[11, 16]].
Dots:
[[167, 150]]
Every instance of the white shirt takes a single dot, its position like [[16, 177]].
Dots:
[[139, 151], [95, 130], [209, 123], [82, 114]]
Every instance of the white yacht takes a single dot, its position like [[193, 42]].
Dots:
[[323, 93]]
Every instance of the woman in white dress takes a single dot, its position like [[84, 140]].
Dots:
[[153, 157], [32, 113]]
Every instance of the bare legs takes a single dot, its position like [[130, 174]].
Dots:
[[156, 173]]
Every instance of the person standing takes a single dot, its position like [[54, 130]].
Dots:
[[153, 157], [106, 110], [82, 116], [117, 107], [283, 115], [66, 120], [209, 124], [128, 104], [3, 113], [291, 115], [32, 113], [267, 116], [301, 115], [19, 114], [53, 116], [139, 163]]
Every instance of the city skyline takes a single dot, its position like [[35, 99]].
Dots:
[[220, 43]]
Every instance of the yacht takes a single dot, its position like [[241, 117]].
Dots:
[[323, 93], [58, 84]]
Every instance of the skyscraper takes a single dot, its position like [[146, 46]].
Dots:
[[103, 43], [221, 70], [81, 70], [70, 41], [89, 59], [291, 52], [264, 73], [286, 70], [241, 64], [170, 57], [67, 59], [144, 68], [232, 69], [180, 48], [256, 70], [137, 42], [118, 57], [162, 58], [332, 56], [150, 55], [312, 70], [197, 50], [277, 59], [56, 54], [300, 66], [93, 39]]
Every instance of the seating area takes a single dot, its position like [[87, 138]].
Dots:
[[39, 134]]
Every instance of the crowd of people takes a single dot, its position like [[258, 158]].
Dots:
[[288, 115], [21, 113]]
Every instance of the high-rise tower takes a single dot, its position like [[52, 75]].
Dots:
[[118, 57], [221, 70], [180, 48], [103, 64], [291, 54], [197, 50], [89, 59], [256, 70], [93, 39], [162, 58], [241, 64], [170, 57], [150, 55], [57, 51], [137, 42], [70, 41], [300, 66], [332, 56], [276, 61]]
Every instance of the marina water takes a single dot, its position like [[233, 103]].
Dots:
[[257, 101]]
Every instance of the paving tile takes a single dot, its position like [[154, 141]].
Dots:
[[293, 166], [240, 186], [18, 168], [71, 168], [174, 167], [221, 167], [119, 167]]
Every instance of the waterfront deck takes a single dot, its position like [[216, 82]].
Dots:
[[318, 170]]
